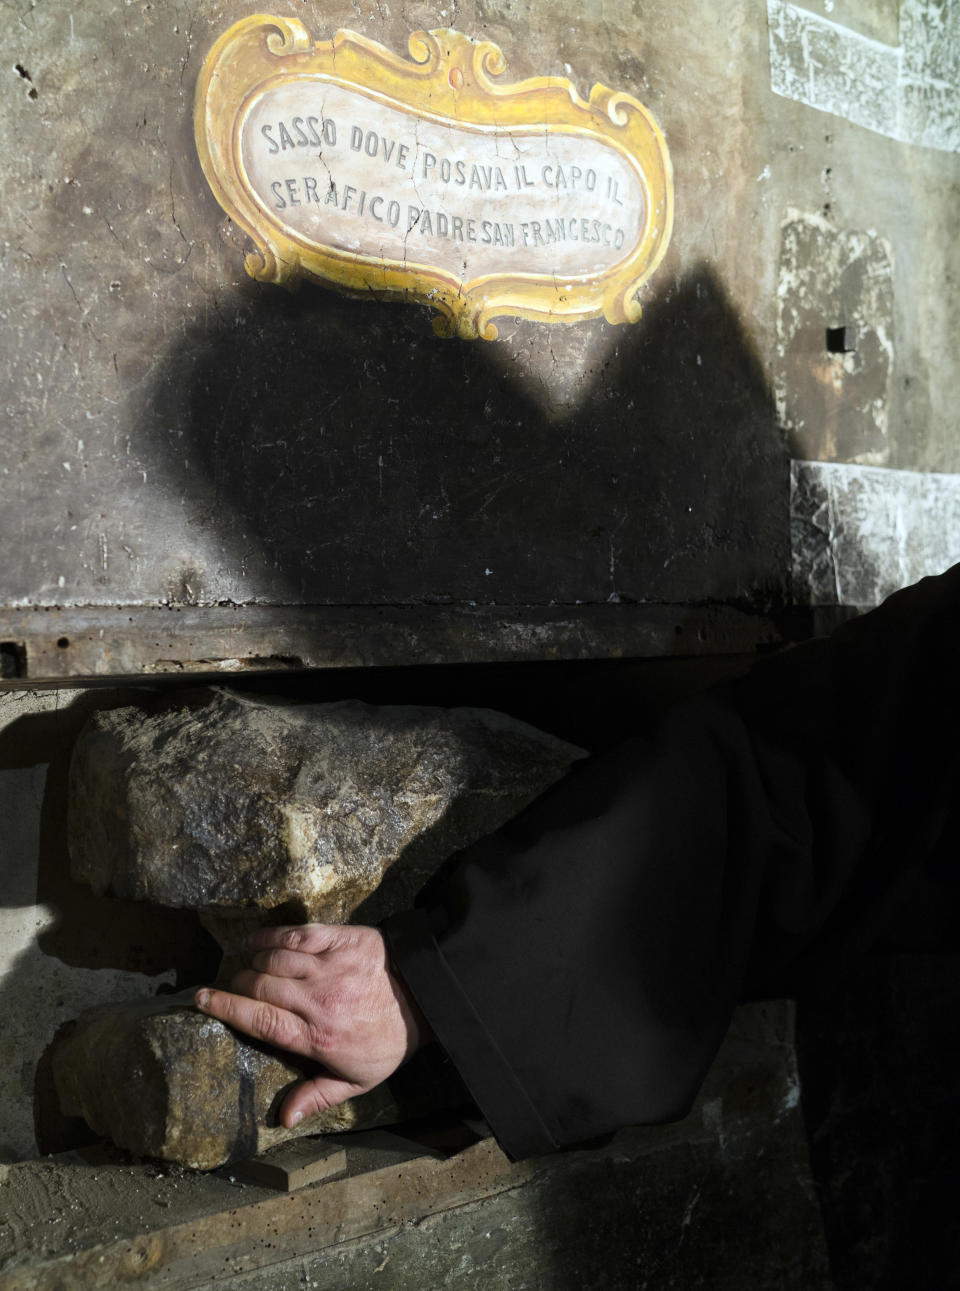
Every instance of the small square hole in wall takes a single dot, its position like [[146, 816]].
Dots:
[[13, 660], [841, 340]]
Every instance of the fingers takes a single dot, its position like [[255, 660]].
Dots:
[[325, 992], [284, 992], [260, 1019], [283, 963], [316, 1095], [309, 938]]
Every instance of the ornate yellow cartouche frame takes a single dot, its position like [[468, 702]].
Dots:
[[451, 79]]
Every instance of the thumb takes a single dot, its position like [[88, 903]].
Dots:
[[318, 1094]]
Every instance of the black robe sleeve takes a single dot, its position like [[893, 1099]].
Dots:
[[580, 966]]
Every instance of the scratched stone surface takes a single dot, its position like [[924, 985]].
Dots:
[[859, 532], [888, 65], [173, 433], [252, 810]]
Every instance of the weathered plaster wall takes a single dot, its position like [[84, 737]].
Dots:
[[172, 432]]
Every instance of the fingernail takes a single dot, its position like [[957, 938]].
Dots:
[[296, 1119], [202, 999]]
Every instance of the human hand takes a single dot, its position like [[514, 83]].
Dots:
[[326, 992]]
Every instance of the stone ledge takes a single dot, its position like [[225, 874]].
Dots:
[[111, 642], [725, 1195]]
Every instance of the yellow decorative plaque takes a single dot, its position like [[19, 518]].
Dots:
[[432, 178]]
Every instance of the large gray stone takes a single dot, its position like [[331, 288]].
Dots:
[[254, 810], [163, 1080]]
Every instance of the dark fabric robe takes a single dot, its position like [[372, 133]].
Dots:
[[580, 966]]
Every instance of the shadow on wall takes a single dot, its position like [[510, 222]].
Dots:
[[344, 455]]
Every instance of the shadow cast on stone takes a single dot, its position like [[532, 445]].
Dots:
[[342, 454]]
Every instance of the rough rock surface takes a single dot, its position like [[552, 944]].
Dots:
[[163, 1080], [249, 809], [253, 810]]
